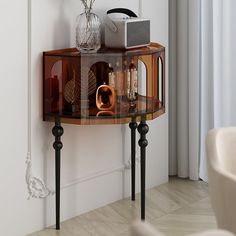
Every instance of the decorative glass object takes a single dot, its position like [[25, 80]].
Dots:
[[132, 83], [88, 31]]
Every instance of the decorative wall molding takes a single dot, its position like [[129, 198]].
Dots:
[[94, 176], [36, 187], [122, 168]]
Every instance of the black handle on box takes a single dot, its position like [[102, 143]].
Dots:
[[123, 11]]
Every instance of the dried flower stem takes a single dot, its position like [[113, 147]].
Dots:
[[88, 4]]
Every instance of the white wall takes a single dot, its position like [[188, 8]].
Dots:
[[88, 151], [17, 215]]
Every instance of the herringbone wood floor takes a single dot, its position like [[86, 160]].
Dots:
[[177, 208]]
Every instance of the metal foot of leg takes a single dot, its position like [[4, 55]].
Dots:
[[133, 126], [143, 130], [57, 131]]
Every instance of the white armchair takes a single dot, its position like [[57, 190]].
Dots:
[[221, 157]]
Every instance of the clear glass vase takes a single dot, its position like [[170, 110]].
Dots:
[[88, 32]]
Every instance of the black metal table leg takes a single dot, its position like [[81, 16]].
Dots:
[[133, 126], [57, 131], [143, 130]]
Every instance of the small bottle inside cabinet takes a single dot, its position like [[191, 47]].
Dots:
[[107, 87]]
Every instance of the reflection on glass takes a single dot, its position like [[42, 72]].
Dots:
[[119, 82], [52, 93], [160, 74], [133, 93], [105, 114], [142, 78]]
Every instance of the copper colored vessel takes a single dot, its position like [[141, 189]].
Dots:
[[105, 98]]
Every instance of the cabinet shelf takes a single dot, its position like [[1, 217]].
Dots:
[[95, 116], [83, 74]]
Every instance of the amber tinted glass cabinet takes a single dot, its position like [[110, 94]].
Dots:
[[107, 87]]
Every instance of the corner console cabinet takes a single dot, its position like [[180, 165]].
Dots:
[[107, 87]]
